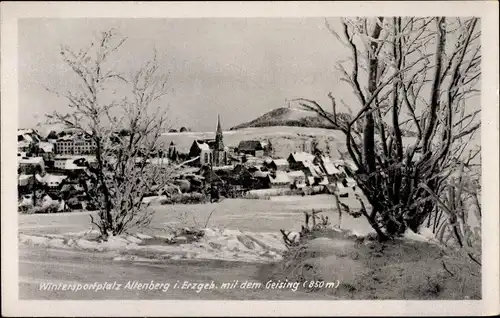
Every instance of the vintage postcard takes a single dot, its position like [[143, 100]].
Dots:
[[273, 158]]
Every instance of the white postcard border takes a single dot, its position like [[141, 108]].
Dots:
[[12, 11]]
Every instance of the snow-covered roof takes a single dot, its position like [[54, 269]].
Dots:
[[281, 177], [46, 146], [330, 168], [340, 185], [350, 181], [27, 138], [23, 143], [310, 180], [66, 138], [310, 170], [76, 157], [39, 178], [346, 163], [351, 165], [69, 164], [31, 160], [23, 179], [226, 167], [203, 146], [25, 131], [302, 156], [280, 162], [317, 170], [325, 158], [51, 179], [296, 174], [324, 181], [260, 174]]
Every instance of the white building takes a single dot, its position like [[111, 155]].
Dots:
[[72, 162], [30, 165], [75, 145], [51, 180]]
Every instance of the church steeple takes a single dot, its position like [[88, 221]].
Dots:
[[219, 143]]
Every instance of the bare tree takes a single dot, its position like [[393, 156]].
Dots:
[[407, 74], [460, 201], [125, 130]]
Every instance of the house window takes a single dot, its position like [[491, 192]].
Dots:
[[206, 157]]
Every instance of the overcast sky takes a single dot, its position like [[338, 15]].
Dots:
[[237, 67], [240, 68]]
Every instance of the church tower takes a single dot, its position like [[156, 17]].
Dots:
[[219, 143], [220, 156]]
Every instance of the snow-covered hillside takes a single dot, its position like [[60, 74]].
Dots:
[[284, 139]]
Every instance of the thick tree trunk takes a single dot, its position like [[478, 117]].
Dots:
[[369, 129], [435, 91], [107, 201]]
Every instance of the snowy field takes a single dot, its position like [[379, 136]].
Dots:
[[235, 229], [238, 229], [225, 245], [243, 214]]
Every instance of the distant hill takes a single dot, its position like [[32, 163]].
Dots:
[[284, 116], [297, 117]]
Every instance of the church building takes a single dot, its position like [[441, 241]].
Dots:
[[211, 151]]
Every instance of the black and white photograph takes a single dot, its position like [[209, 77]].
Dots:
[[274, 158]]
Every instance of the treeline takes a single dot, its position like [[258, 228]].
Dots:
[[182, 129]]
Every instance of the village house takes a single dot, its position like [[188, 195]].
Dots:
[[313, 173], [29, 143], [259, 171], [296, 160], [201, 149], [254, 148], [278, 164], [31, 165], [25, 183], [46, 150], [27, 136], [297, 178], [51, 180], [350, 182], [241, 175], [346, 166], [243, 179], [278, 179], [70, 163], [333, 173]]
